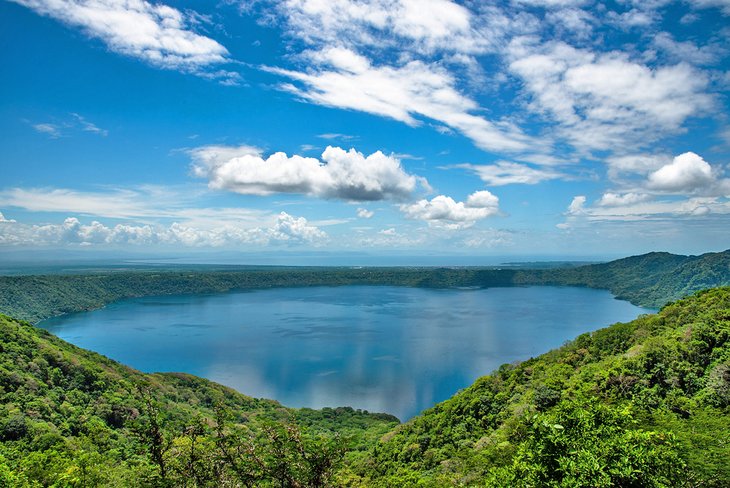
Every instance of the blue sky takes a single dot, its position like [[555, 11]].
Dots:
[[559, 127]]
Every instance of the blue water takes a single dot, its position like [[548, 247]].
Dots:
[[383, 349]]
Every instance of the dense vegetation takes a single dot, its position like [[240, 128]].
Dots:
[[70, 417], [638, 404], [644, 403], [649, 280]]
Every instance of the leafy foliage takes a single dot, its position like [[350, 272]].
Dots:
[[70, 417], [637, 404], [641, 404]]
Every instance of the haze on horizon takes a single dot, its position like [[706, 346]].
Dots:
[[377, 128]]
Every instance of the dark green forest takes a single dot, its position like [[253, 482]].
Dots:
[[638, 404], [649, 280]]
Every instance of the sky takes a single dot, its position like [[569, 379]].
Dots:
[[380, 127]]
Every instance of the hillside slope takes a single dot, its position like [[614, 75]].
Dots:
[[70, 417], [649, 280], [644, 403]]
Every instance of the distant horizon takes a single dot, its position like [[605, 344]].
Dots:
[[35, 262]]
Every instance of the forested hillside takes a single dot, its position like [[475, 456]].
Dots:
[[72, 418], [649, 280], [645, 403]]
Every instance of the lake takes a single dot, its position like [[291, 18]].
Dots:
[[379, 348]]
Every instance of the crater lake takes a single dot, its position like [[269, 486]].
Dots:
[[378, 348]]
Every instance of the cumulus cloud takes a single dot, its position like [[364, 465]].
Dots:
[[443, 211], [286, 229], [4, 220], [155, 33], [340, 174], [364, 213], [686, 173], [509, 173], [686, 187], [296, 229]]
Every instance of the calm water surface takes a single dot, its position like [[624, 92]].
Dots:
[[384, 349]]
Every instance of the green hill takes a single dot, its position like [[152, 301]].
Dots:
[[649, 280], [70, 417], [645, 403], [639, 404]]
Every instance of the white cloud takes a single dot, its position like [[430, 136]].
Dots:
[[443, 211], [687, 173], [51, 130], [687, 51], [606, 101], [155, 33], [344, 79], [295, 229], [147, 201], [146, 204], [577, 205], [551, 3], [488, 238], [573, 20], [89, 126], [71, 124], [340, 174], [636, 17], [689, 18], [4, 220], [389, 238], [333, 135], [286, 229], [508, 173], [364, 213], [611, 199], [426, 25], [685, 187], [723, 5], [635, 163], [641, 208]]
